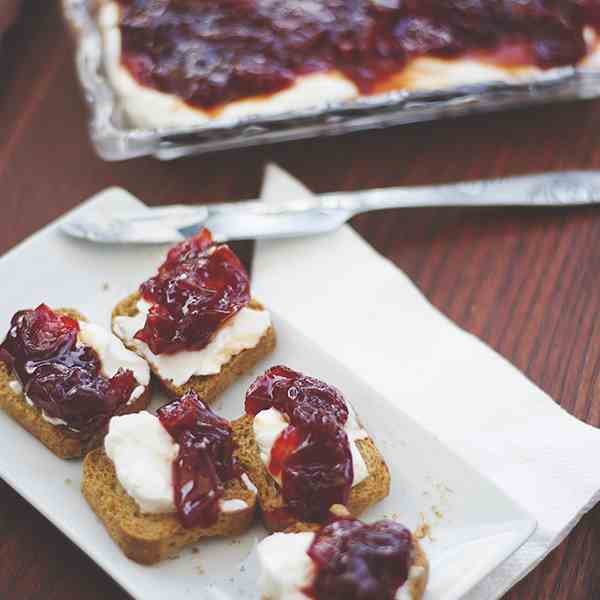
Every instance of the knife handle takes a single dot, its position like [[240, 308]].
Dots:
[[549, 189]]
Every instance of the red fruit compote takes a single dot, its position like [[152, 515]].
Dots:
[[312, 455], [205, 462], [60, 376], [199, 287]]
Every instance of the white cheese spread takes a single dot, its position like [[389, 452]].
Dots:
[[269, 424], [286, 569], [143, 452], [113, 356], [243, 331]]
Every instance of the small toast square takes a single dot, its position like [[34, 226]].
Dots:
[[150, 538], [58, 439], [367, 493], [414, 587], [208, 387]]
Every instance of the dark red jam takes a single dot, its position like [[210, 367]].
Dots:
[[58, 375], [356, 561], [198, 287], [211, 52], [313, 454], [205, 461]]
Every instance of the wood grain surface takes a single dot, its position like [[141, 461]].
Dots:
[[524, 280]]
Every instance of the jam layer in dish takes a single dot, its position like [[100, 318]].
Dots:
[[212, 53], [61, 376]]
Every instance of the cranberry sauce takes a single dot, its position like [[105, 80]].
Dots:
[[356, 561], [312, 455], [205, 461], [198, 287], [210, 53], [58, 375]]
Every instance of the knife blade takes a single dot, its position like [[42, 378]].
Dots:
[[325, 213]]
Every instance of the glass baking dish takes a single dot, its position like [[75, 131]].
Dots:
[[114, 139]]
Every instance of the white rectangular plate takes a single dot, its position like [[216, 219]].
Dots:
[[472, 526]]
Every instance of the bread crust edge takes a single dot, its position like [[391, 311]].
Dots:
[[149, 539]]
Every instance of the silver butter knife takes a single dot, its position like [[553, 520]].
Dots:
[[324, 213]]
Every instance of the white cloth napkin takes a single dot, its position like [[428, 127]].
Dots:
[[362, 309]]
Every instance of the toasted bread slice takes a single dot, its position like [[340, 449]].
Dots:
[[415, 585], [209, 387], [58, 439], [150, 538], [368, 492]]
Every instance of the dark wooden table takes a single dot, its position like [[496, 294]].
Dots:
[[525, 281]]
